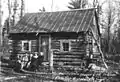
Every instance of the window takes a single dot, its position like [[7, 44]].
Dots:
[[26, 45], [65, 46]]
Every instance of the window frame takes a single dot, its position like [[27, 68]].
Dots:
[[26, 41], [65, 41]]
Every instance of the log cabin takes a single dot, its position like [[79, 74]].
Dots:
[[65, 37]]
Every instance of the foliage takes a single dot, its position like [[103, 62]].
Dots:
[[116, 41], [77, 4], [42, 10], [5, 32], [108, 22]]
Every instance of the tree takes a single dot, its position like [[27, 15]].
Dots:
[[22, 9], [116, 39], [77, 4], [108, 20], [5, 30], [0, 24], [42, 10], [15, 8]]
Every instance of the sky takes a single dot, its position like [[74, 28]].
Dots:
[[35, 5]]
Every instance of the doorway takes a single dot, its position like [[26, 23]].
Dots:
[[45, 46]]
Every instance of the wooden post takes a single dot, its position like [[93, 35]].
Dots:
[[51, 60]]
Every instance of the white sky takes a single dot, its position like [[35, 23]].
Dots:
[[58, 5], [35, 5]]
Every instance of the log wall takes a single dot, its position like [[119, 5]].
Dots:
[[15, 43], [72, 58]]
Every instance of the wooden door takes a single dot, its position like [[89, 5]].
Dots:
[[44, 46]]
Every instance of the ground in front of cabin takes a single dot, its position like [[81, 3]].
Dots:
[[60, 75]]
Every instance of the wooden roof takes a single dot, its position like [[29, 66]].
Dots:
[[61, 21]]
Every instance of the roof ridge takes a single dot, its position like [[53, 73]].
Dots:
[[77, 9], [63, 10]]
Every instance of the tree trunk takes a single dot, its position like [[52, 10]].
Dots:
[[108, 46], [0, 24], [9, 18], [22, 9], [101, 53]]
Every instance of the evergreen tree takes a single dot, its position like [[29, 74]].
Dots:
[[77, 4]]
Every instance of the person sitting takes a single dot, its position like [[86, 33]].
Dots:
[[29, 60], [33, 64], [29, 57], [25, 60], [19, 64], [40, 59]]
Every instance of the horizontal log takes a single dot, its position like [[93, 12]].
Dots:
[[65, 59], [78, 48], [68, 66], [79, 51], [68, 53], [70, 63], [68, 56]]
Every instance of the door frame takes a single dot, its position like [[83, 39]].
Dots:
[[49, 38]]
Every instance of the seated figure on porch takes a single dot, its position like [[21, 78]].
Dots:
[[33, 64], [36, 61], [29, 60], [25, 59], [40, 59], [21, 62]]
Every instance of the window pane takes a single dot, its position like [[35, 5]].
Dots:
[[65, 46], [26, 46]]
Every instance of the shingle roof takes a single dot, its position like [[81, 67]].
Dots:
[[61, 21]]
